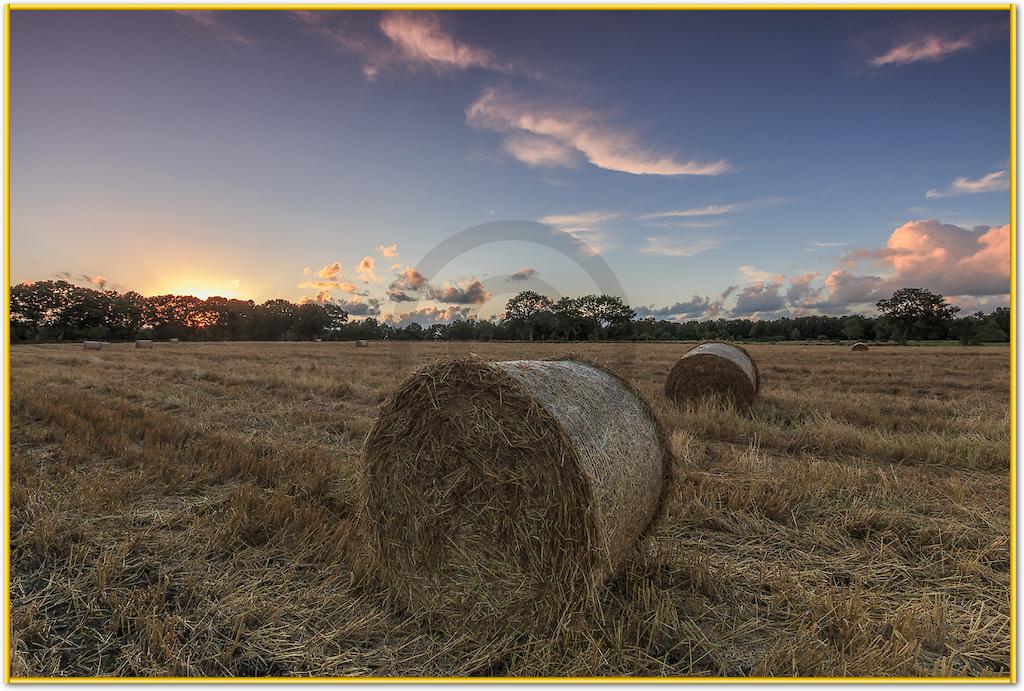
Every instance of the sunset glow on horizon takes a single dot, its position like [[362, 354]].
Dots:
[[721, 163]]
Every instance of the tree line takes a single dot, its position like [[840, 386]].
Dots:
[[46, 311]]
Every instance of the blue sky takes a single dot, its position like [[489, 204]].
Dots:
[[721, 163]]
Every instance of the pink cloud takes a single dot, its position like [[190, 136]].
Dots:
[[388, 251], [211, 24], [993, 182], [576, 129], [421, 39], [366, 271], [927, 49]]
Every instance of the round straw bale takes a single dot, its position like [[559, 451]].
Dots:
[[362, 344], [714, 369], [859, 346], [143, 343], [92, 345], [173, 340], [504, 493]]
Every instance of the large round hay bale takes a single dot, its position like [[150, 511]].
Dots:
[[503, 493], [362, 344], [859, 346], [720, 370], [143, 343], [92, 345]]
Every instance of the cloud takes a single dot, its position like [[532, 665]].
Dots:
[[824, 245], [523, 274], [671, 247], [365, 270], [330, 270], [800, 289], [466, 293], [360, 308], [98, 281], [307, 271], [576, 129], [415, 41], [587, 228], [538, 152], [320, 298], [993, 182], [696, 307], [427, 316], [388, 251], [211, 24], [761, 296], [752, 273], [941, 257], [711, 210], [329, 284], [410, 279], [422, 40], [931, 48]]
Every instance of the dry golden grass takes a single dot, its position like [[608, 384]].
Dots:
[[186, 510]]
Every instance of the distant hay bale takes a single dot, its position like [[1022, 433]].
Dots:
[[173, 340], [318, 340], [143, 343], [504, 493], [859, 346], [92, 345], [715, 369], [362, 344]]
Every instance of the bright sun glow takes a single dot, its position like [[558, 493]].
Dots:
[[204, 289]]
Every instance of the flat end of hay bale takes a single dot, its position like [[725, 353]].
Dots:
[[859, 347], [503, 493]]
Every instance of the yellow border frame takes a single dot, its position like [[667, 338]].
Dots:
[[1011, 679]]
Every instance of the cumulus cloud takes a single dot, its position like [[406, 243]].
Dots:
[[408, 281], [212, 24], [360, 308], [321, 297], [672, 247], [523, 274], [800, 288], [930, 48], [993, 182], [694, 308], [388, 251], [330, 270], [365, 270], [575, 129], [465, 293], [759, 297], [427, 316]]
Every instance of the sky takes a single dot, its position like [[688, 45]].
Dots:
[[714, 163]]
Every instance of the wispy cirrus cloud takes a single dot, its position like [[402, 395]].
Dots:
[[587, 228], [561, 130], [673, 247], [997, 181], [212, 24], [414, 41], [928, 48], [710, 210]]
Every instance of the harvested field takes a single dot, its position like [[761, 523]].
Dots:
[[187, 511]]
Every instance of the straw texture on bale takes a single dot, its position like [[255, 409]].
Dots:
[[859, 346], [714, 369], [92, 345], [503, 493], [362, 344], [143, 344]]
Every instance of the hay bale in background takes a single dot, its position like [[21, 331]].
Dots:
[[503, 493], [318, 340], [92, 345], [715, 369], [362, 344], [173, 340], [859, 346], [143, 343]]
